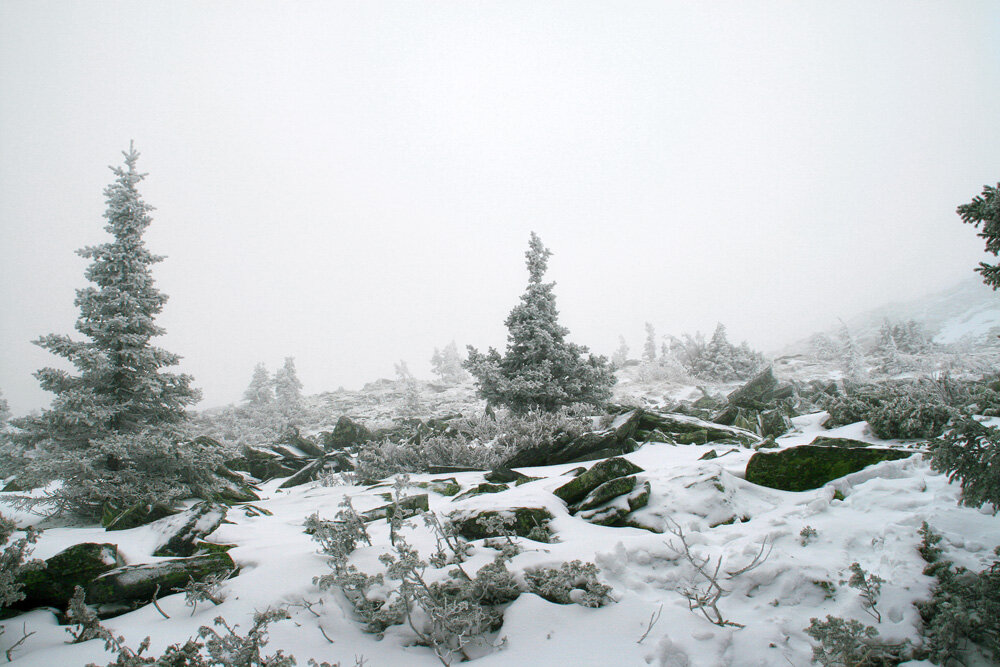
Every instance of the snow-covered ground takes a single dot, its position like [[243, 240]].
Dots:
[[875, 524]]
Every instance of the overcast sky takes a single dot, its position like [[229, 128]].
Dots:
[[354, 183]]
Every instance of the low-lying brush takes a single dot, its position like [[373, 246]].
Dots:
[[483, 443]]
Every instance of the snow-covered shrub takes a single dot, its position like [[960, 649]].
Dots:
[[904, 409], [211, 648], [964, 607], [82, 619], [850, 643], [484, 443], [574, 581], [806, 535], [14, 561], [869, 586], [970, 453], [126, 470]]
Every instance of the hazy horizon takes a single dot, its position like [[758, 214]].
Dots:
[[353, 184]]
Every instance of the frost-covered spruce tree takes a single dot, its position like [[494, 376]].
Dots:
[[447, 364], [620, 357], [287, 387], [985, 210], [540, 369], [649, 349], [4, 410], [121, 386], [261, 390]]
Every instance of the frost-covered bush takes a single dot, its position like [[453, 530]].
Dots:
[[484, 443], [970, 453], [964, 607], [905, 410], [14, 562], [224, 647], [125, 470], [574, 581], [850, 643]]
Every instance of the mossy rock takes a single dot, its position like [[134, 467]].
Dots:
[[699, 437], [617, 511], [409, 506], [608, 469], [346, 433], [140, 582], [605, 493], [480, 489], [810, 467], [182, 532], [774, 423], [137, 515], [526, 519], [827, 441], [444, 487], [76, 566], [612, 515], [709, 455]]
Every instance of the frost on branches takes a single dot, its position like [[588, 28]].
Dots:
[[120, 386], [540, 369]]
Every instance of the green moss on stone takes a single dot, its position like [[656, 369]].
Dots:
[[810, 467], [606, 470]]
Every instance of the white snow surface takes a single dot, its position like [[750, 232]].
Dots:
[[875, 524]]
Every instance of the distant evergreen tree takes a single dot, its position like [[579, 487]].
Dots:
[[649, 350], [851, 358], [4, 410], [540, 368], [823, 347], [288, 388], [121, 387], [411, 392], [887, 351], [985, 210], [261, 390], [447, 365], [620, 357]]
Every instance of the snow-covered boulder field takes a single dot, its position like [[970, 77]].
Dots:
[[675, 501]]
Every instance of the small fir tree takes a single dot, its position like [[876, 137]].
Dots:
[[121, 387], [985, 210], [447, 365], [261, 390], [411, 393], [851, 358], [540, 369], [649, 350], [620, 357], [287, 387], [4, 410]]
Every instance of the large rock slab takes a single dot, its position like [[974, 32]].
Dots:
[[328, 462], [140, 582], [810, 467], [525, 521], [605, 471], [137, 515], [346, 433], [181, 533], [685, 428], [76, 566]]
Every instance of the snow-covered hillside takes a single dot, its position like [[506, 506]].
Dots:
[[870, 517]]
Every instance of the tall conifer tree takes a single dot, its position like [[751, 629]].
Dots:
[[120, 386], [540, 368]]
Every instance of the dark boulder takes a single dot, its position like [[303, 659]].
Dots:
[[76, 566], [132, 517], [182, 532], [578, 487], [526, 520], [774, 423], [810, 467], [347, 433], [408, 506], [336, 462], [480, 489], [141, 582], [293, 438]]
